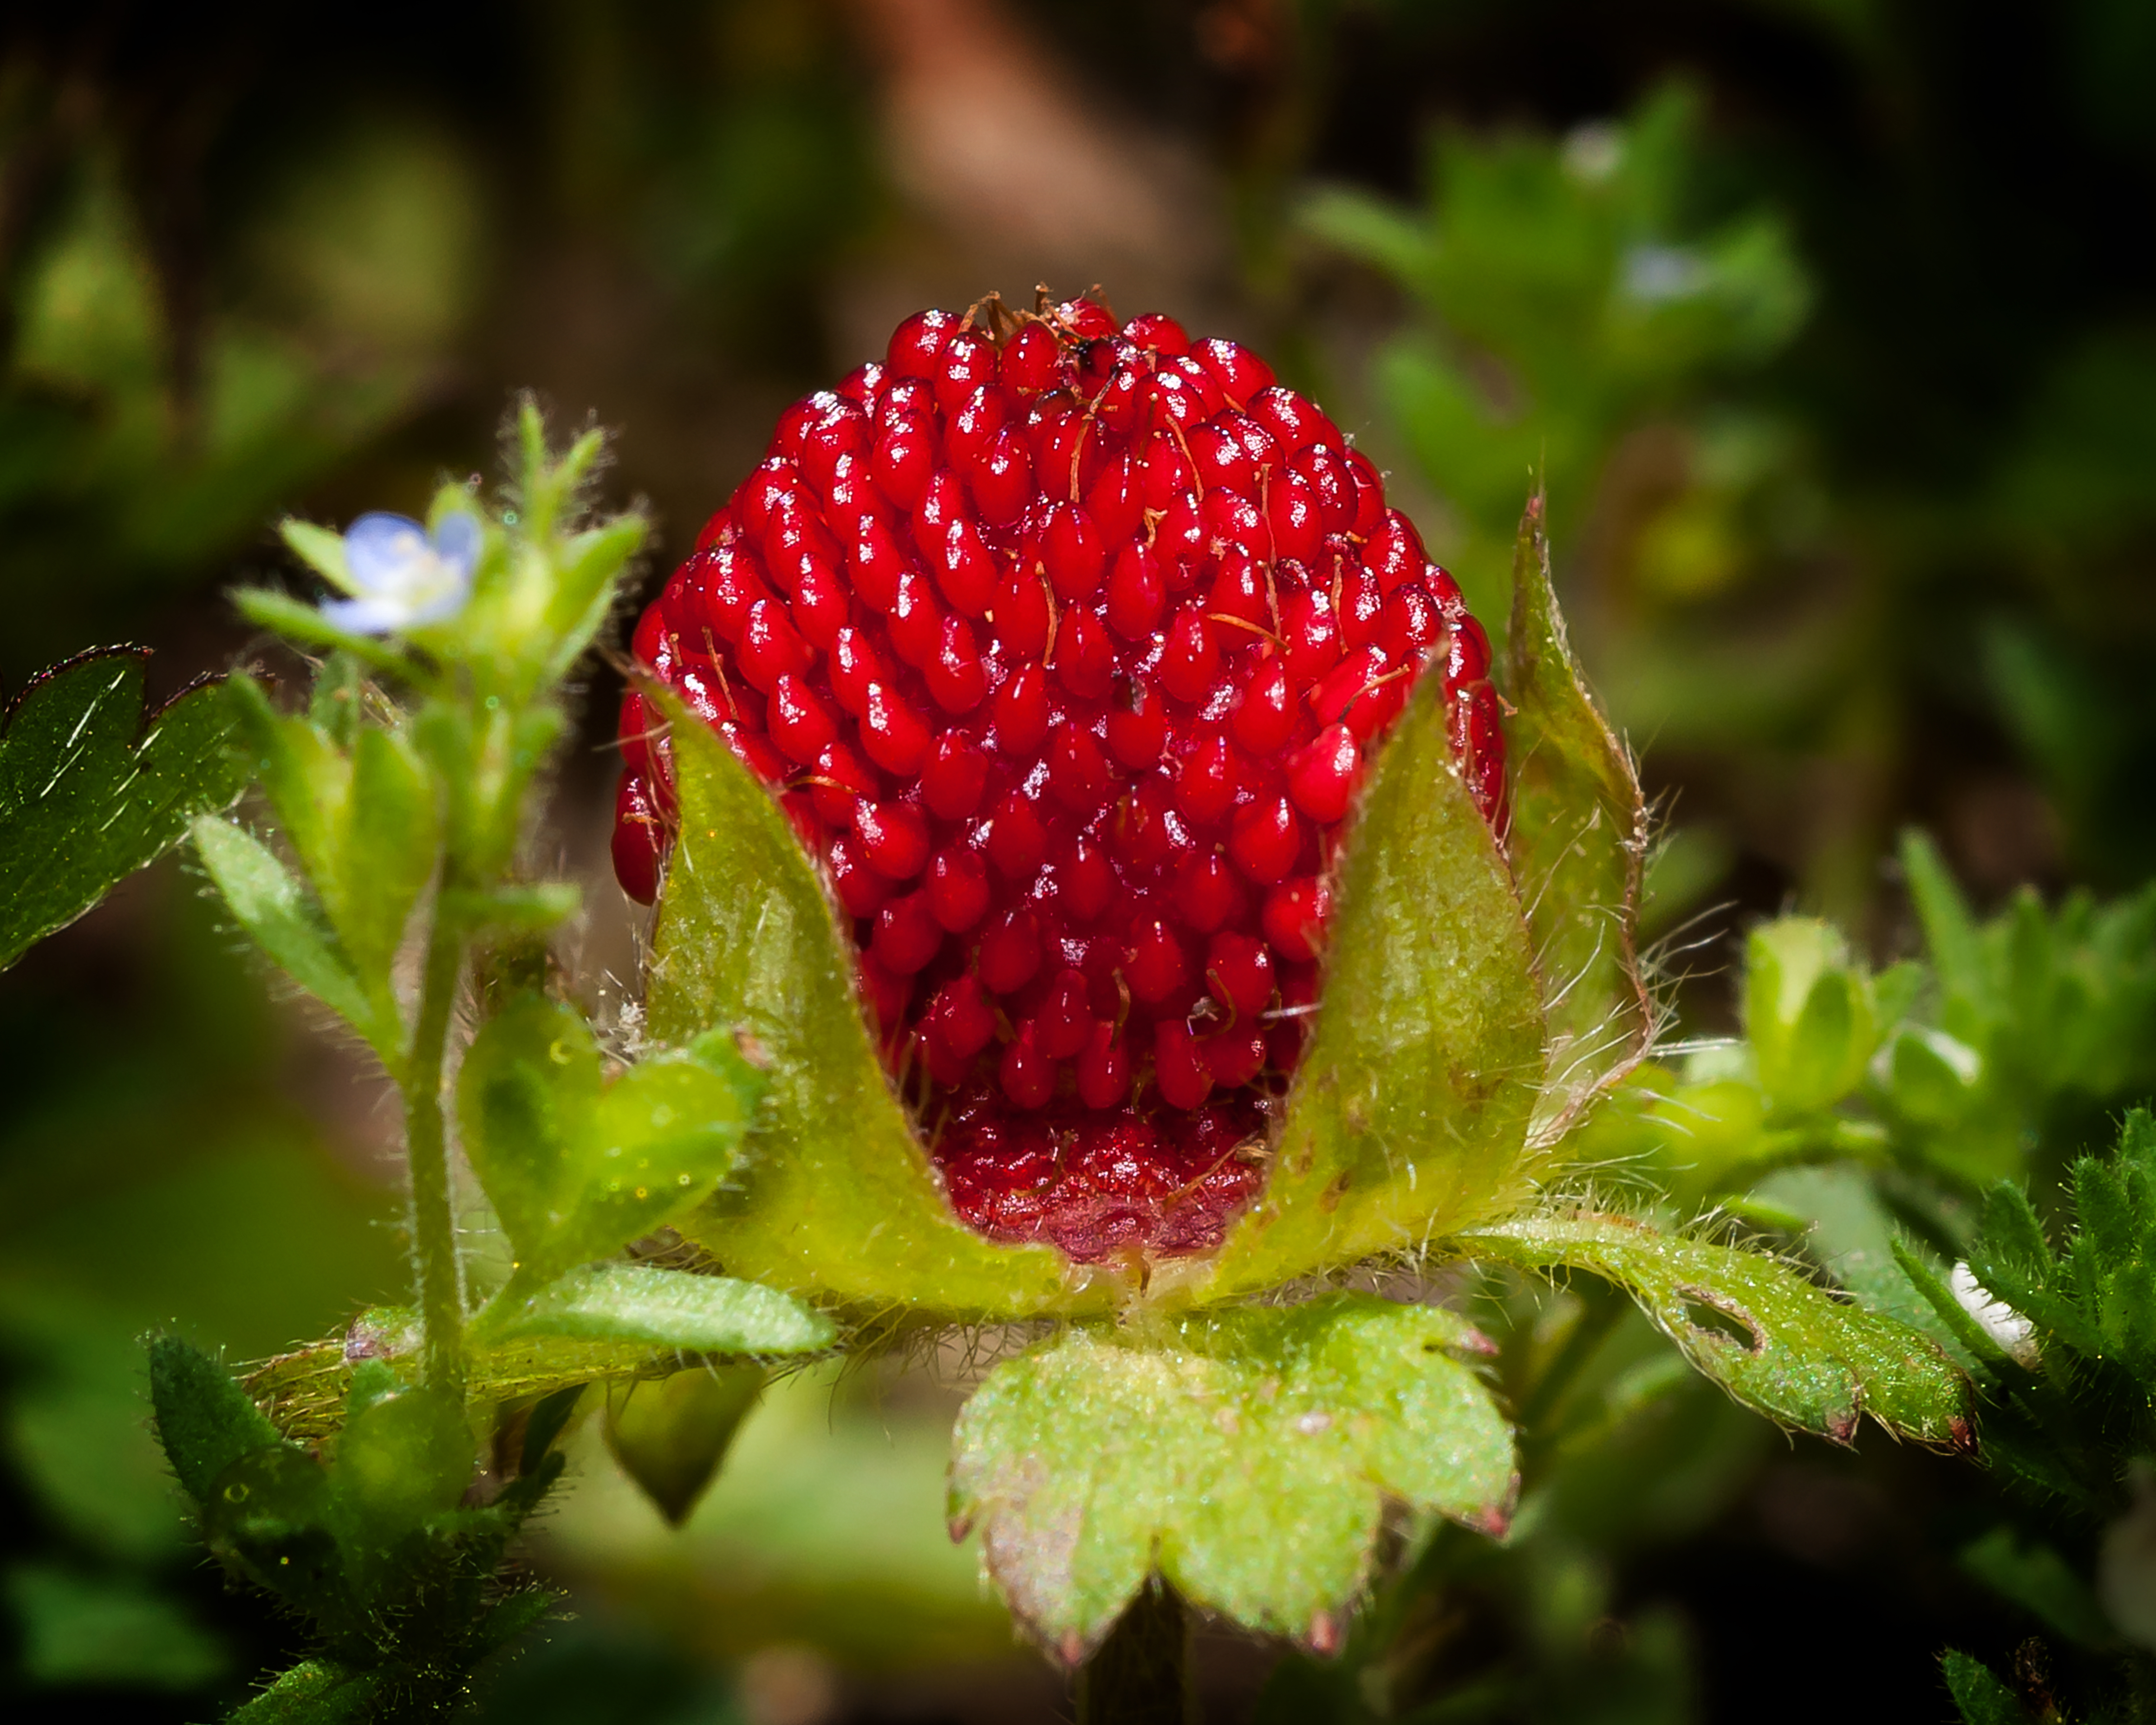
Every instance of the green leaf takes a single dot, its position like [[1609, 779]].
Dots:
[[1577, 843], [1775, 1342], [667, 1308], [835, 1195], [318, 1692], [1980, 1697], [1248, 1455], [205, 1421], [670, 1435], [576, 1166], [1410, 1112], [89, 792], [261, 892]]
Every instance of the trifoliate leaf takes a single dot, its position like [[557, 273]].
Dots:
[[576, 1166], [835, 1195], [1247, 1455], [1409, 1112], [1776, 1343], [669, 1434], [205, 1421], [1577, 842], [667, 1308], [89, 792]]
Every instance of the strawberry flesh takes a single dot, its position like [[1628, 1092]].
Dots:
[[1064, 646]]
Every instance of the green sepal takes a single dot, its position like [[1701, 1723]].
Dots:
[[1776, 1342], [576, 1167], [1410, 1108], [1248, 1455], [91, 790], [205, 1421], [663, 1309], [672, 1435], [588, 564], [319, 1691], [835, 1196], [1577, 842], [274, 909]]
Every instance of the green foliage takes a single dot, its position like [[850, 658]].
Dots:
[[578, 1167], [1776, 1342], [1577, 271], [1246, 1455], [91, 790]]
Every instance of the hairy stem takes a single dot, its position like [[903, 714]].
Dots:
[[427, 1150], [1141, 1674]]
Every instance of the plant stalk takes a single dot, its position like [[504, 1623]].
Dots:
[[1141, 1676], [440, 1273]]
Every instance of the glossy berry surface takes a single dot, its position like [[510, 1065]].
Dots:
[[1065, 646]]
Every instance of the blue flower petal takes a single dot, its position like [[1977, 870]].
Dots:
[[379, 551], [366, 616], [458, 538]]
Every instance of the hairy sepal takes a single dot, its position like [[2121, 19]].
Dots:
[[835, 1197], [1578, 844], [1410, 1112]]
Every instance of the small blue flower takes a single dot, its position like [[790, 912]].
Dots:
[[402, 575]]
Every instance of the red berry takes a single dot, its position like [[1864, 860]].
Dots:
[[1067, 646]]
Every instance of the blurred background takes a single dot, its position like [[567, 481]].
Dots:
[[1831, 323]]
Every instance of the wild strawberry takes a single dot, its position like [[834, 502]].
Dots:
[[1067, 646]]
